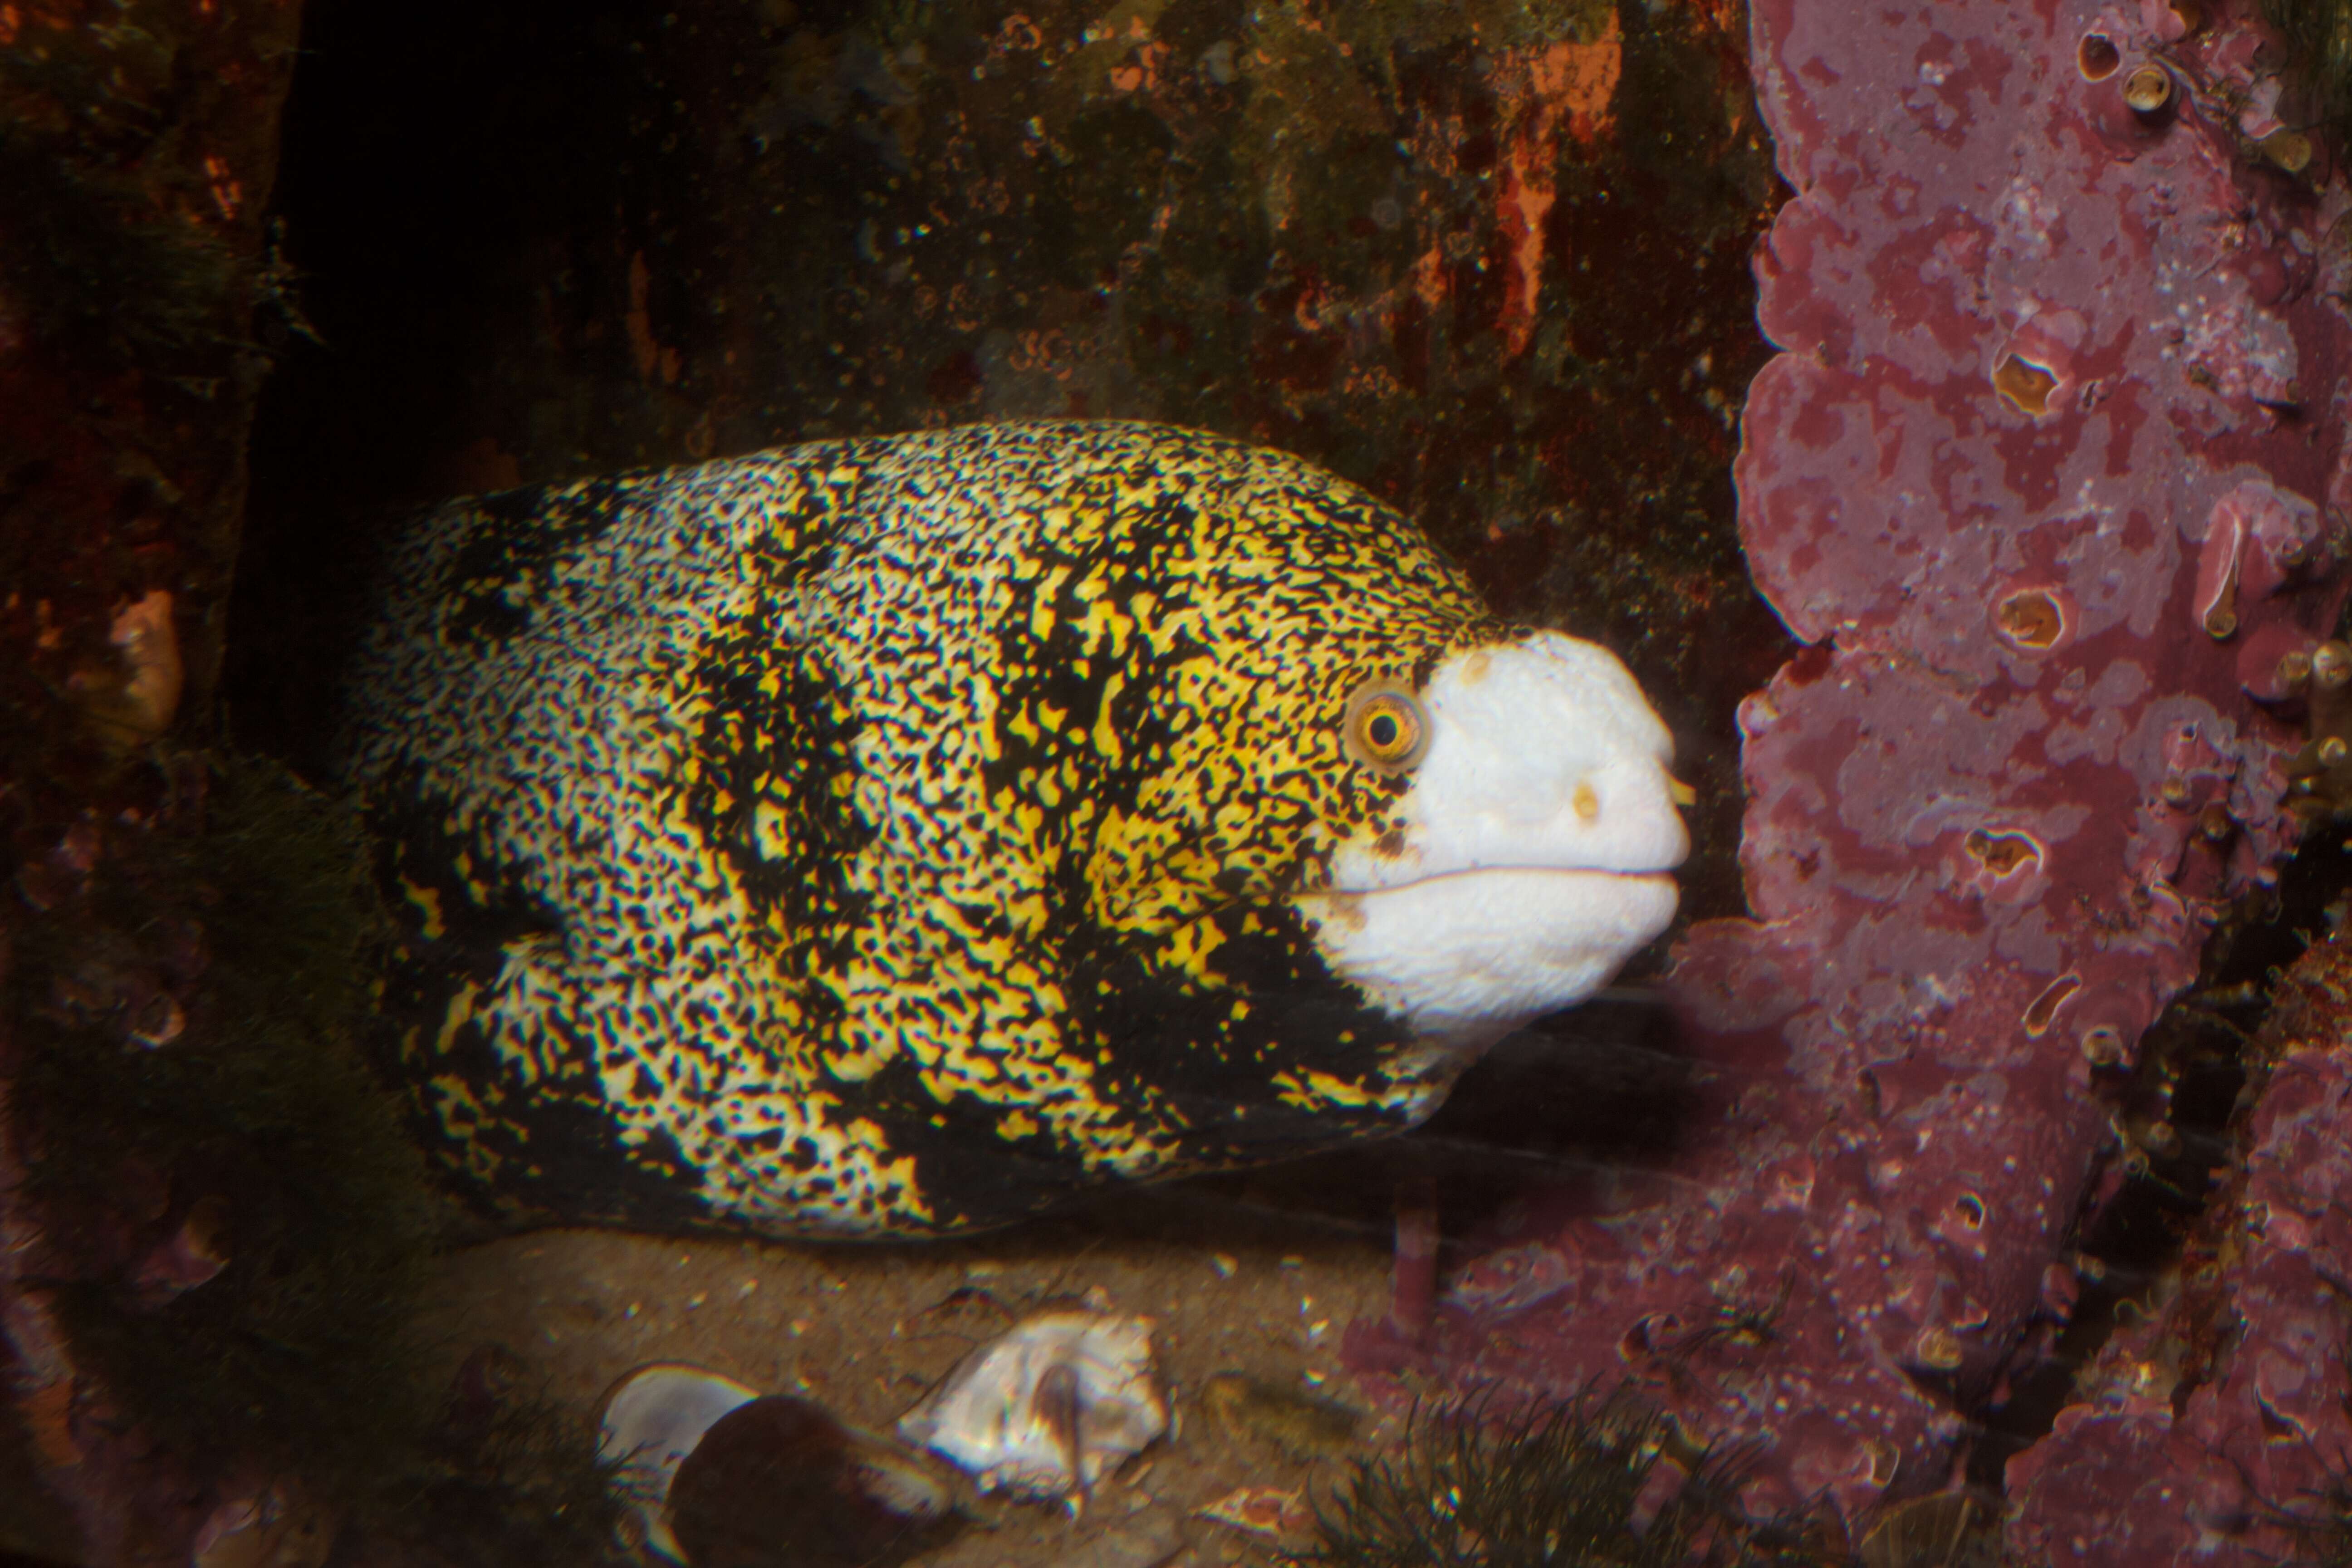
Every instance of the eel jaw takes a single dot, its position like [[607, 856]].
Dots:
[[1531, 856], [1474, 954]]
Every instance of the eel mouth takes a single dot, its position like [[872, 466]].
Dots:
[[1467, 872], [1489, 944]]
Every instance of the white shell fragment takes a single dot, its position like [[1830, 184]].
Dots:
[[1048, 1407], [652, 1418]]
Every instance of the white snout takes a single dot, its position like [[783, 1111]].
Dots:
[[1537, 835]]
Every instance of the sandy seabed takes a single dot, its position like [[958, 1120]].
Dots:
[[867, 1330]]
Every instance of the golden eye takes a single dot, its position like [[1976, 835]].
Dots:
[[1384, 728]]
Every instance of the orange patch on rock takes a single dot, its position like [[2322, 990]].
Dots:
[[480, 467], [227, 191], [1575, 83], [1264, 1511], [1429, 277], [1143, 76], [150, 651], [46, 1413], [1580, 81], [643, 353]]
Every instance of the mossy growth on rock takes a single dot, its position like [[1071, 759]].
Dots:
[[1574, 1482], [507, 1475], [241, 1230], [1606, 1482], [236, 1232]]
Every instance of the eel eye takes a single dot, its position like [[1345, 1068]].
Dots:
[[1384, 728]]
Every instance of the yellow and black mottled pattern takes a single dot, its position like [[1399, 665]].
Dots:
[[885, 837]]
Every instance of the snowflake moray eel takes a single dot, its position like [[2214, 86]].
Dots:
[[893, 836]]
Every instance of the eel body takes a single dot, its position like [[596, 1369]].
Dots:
[[891, 836]]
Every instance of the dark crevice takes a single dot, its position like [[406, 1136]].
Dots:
[[2189, 1079]]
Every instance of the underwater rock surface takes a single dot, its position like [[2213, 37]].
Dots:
[[138, 143], [1487, 262], [2222, 1418], [2049, 471]]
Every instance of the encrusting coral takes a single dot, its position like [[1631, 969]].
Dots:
[[2217, 1415]]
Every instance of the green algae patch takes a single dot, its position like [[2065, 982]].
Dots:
[[242, 1228], [1577, 1482], [1603, 1481], [234, 1230], [507, 1475]]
